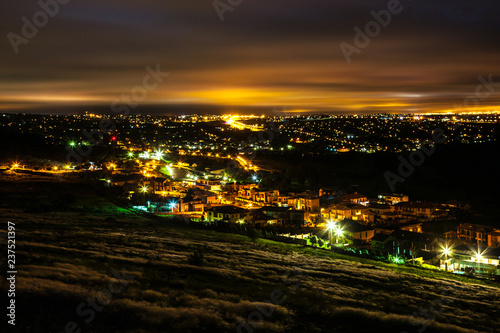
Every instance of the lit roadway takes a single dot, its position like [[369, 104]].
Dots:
[[233, 121]]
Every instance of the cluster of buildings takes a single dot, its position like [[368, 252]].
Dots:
[[204, 198], [390, 225]]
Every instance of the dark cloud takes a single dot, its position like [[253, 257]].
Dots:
[[263, 53]]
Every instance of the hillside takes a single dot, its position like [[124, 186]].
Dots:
[[99, 268]]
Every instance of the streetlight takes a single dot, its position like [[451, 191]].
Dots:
[[144, 189], [330, 226], [446, 252], [338, 233]]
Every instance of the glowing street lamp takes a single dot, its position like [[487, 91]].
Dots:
[[72, 144], [330, 226], [131, 154], [446, 252], [338, 233], [144, 189]]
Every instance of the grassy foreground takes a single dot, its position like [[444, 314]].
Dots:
[[95, 267]]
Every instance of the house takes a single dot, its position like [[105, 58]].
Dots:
[[412, 210], [228, 213], [494, 238], [383, 211], [392, 198], [357, 232], [413, 227], [348, 211], [378, 242], [121, 180], [258, 197], [295, 218], [277, 213], [308, 203], [260, 219], [476, 233], [407, 243], [158, 185], [479, 258], [355, 198], [212, 183]]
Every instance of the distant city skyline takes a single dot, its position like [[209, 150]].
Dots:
[[349, 57]]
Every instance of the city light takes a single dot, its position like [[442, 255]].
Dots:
[[144, 189]]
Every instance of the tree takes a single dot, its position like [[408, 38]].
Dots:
[[321, 242], [314, 240], [254, 234]]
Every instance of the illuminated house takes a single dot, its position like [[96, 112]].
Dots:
[[357, 232], [393, 198], [494, 238], [407, 243], [423, 210], [307, 203], [355, 198], [277, 213], [482, 260], [158, 185], [228, 213], [477, 234], [383, 211], [348, 211], [414, 227]]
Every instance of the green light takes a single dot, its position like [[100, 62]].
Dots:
[[130, 154], [72, 143]]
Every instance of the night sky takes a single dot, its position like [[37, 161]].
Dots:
[[263, 55]]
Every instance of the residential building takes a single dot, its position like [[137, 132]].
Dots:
[[421, 210], [393, 198], [228, 213], [475, 233]]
